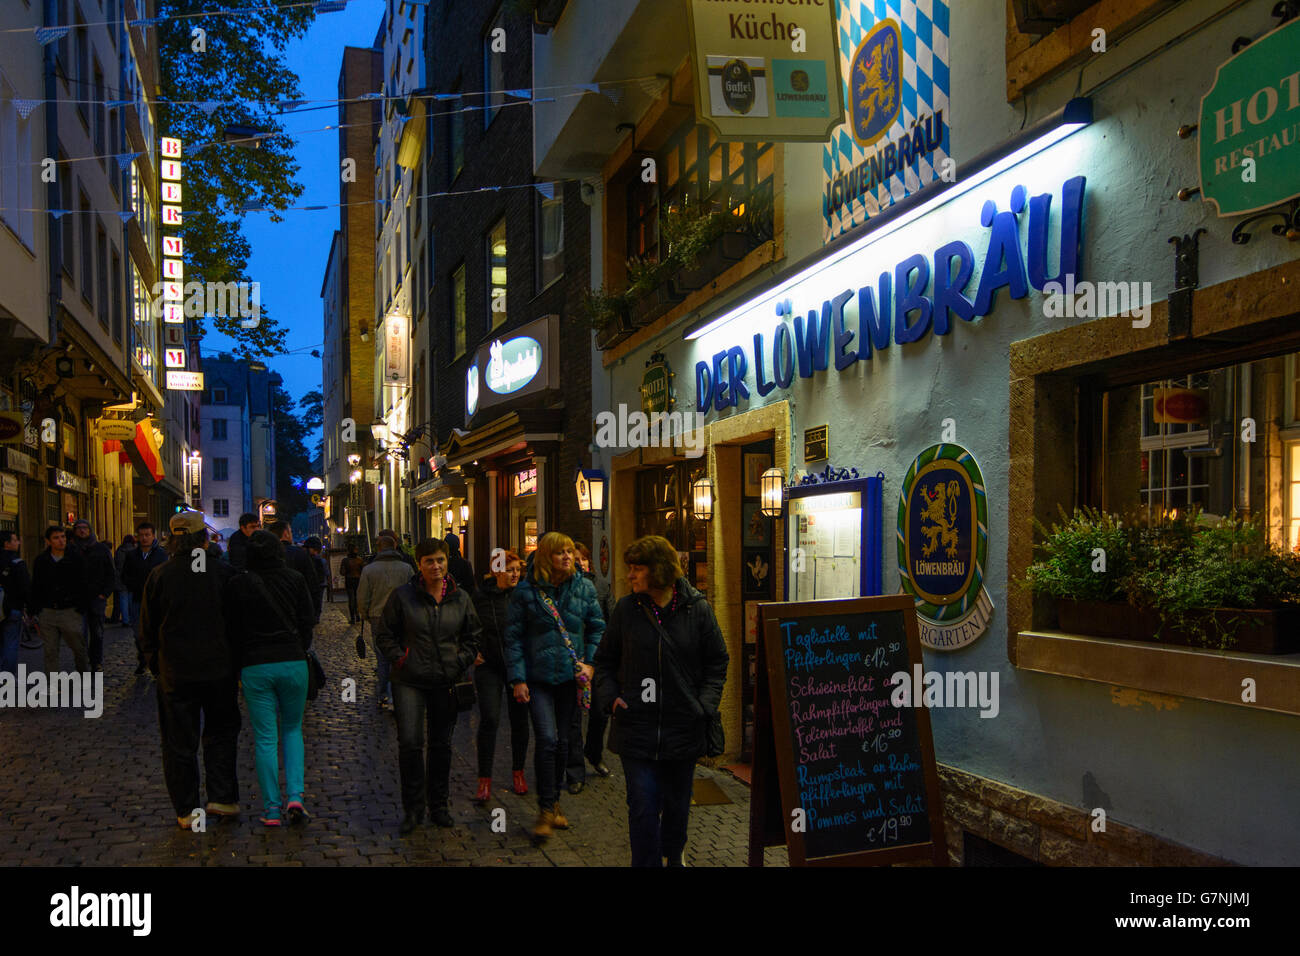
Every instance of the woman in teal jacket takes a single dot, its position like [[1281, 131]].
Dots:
[[553, 625]]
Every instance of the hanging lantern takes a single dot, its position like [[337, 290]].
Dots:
[[702, 499], [772, 492]]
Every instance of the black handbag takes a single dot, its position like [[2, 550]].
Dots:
[[361, 642], [315, 674], [715, 737]]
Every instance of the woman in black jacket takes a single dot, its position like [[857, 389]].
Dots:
[[660, 671], [429, 632], [491, 601], [269, 617]]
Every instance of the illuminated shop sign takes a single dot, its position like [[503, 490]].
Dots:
[[513, 364]]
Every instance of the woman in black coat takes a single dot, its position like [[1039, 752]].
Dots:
[[660, 670], [429, 632], [491, 601]]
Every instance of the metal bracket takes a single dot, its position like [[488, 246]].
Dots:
[[1186, 279], [1288, 227]]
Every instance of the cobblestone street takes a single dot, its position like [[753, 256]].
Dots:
[[80, 791]]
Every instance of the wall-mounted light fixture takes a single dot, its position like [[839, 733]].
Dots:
[[590, 486], [771, 486], [702, 499]]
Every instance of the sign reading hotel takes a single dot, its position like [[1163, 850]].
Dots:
[[768, 75], [1249, 132], [896, 85], [173, 266], [943, 546]]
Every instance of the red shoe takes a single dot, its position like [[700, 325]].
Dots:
[[484, 793], [520, 784]]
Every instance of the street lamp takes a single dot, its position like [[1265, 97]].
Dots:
[[450, 516], [354, 460], [314, 484], [379, 429]]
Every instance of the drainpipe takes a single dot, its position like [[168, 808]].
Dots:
[[1243, 459]]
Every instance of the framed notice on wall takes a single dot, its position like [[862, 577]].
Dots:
[[833, 532]]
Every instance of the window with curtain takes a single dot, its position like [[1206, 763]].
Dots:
[[550, 238], [496, 272], [16, 168], [458, 312]]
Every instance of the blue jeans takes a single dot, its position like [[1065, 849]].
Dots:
[[658, 807], [382, 667], [551, 706], [123, 610], [418, 709], [271, 690], [13, 631]]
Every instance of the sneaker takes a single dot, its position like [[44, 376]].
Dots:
[[442, 817], [297, 812], [560, 822], [520, 784], [269, 821], [601, 770], [575, 786], [222, 809]]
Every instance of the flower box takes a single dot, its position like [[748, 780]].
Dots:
[[1254, 631]]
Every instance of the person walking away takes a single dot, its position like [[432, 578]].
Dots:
[[16, 583], [235, 550], [429, 633], [352, 568], [403, 552], [461, 571], [378, 581], [148, 554], [314, 546], [185, 646], [58, 599], [298, 559], [576, 771], [122, 596], [492, 603], [101, 581], [553, 626], [269, 617], [666, 632]]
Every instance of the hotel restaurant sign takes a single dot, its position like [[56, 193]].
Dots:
[[767, 72], [1250, 126]]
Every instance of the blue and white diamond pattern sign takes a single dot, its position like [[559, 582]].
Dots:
[[894, 61]]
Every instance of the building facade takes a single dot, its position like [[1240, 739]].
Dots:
[[826, 325], [238, 461]]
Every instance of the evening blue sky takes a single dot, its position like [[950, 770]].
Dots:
[[288, 258]]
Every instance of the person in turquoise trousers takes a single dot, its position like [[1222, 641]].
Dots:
[[269, 613]]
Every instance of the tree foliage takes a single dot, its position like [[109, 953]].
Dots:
[[241, 58], [292, 460]]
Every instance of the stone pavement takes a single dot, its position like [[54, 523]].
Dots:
[[90, 791]]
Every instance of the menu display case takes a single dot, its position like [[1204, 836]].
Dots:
[[834, 540]]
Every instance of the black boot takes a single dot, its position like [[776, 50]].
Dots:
[[409, 822]]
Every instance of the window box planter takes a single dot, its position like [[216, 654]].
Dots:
[[1254, 631], [653, 304], [614, 331]]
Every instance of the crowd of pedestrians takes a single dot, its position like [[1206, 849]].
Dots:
[[540, 634]]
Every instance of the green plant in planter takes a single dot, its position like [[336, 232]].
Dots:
[[1231, 565], [689, 232], [601, 308], [1070, 554]]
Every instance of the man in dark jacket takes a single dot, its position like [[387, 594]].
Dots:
[[148, 554], [298, 559], [58, 599], [101, 579], [183, 640], [461, 571], [235, 551], [662, 635], [314, 548], [122, 606], [16, 583], [429, 632]]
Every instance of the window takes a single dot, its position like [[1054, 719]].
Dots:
[[117, 297], [458, 311], [83, 69], [67, 231], [549, 216], [16, 170], [494, 73], [221, 507], [101, 117], [101, 261], [146, 325], [143, 209], [664, 508], [219, 429], [87, 248], [496, 273], [456, 137], [221, 469], [218, 396], [65, 44]]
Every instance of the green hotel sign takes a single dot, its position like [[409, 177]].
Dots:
[[1250, 126]]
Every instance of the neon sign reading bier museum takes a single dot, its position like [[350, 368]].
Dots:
[[904, 295]]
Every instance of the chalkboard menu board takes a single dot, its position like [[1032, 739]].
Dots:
[[858, 779]]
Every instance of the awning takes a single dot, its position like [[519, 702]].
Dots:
[[511, 432], [142, 452]]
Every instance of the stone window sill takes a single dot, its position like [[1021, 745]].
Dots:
[[1180, 671]]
